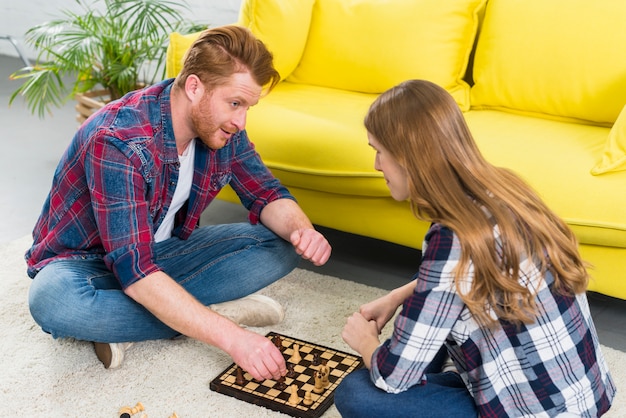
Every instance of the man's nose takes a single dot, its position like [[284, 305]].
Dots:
[[239, 120]]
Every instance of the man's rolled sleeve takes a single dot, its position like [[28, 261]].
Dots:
[[131, 264], [253, 182]]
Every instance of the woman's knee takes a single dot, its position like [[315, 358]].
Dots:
[[350, 395], [444, 395]]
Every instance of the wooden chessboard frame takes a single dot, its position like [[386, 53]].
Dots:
[[264, 394]]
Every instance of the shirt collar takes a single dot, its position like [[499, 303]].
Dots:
[[170, 154]]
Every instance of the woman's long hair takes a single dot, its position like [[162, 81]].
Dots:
[[422, 127]]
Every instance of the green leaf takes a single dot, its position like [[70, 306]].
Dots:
[[107, 44]]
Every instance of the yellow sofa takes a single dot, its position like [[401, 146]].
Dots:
[[542, 84]]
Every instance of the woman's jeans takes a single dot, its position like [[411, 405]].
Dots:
[[82, 299], [444, 395]]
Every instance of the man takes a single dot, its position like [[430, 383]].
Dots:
[[118, 255]]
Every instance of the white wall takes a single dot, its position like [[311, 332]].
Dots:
[[17, 16]]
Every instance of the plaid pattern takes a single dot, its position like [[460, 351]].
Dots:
[[550, 367], [116, 180]]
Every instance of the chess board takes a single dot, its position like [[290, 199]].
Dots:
[[265, 393]]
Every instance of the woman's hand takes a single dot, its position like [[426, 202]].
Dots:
[[361, 335], [380, 311]]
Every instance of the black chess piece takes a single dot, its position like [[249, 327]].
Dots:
[[317, 360], [239, 379], [280, 384]]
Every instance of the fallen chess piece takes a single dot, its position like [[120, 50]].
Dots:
[[128, 411]]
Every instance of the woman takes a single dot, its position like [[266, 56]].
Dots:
[[501, 286]]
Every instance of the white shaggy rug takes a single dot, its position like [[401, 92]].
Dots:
[[43, 377]]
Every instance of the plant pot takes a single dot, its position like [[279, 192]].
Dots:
[[89, 102]]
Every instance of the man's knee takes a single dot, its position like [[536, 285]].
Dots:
[[43, 306]]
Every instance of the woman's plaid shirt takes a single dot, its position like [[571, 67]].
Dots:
[[540, 370]]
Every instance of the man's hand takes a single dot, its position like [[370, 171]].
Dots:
[[177, 308], [311, 245], [258, 356], [287, 220]]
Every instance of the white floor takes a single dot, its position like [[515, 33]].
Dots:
[[32, 148]]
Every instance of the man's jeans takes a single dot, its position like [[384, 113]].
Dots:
[[83, 299]]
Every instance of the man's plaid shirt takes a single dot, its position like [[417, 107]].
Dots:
[[115, 182]]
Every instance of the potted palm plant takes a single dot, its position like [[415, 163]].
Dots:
[[108, 49]]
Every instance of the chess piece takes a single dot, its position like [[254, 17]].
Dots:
[[319, 384], [278, 342], [137, 408], [325, 371], [124, 412], [295, 357], [280, 384], [174, 415], [307, 398], [317, 359], [240, 379], [290, 370], [127, 410], [294, 399]]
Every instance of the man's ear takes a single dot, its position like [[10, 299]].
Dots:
[[193, 87]]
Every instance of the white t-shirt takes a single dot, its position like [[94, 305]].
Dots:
[[181, 194]]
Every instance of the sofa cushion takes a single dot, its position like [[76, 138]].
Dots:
[[313, 137], [371, 45], [282, 25], [614, 155], [537, 149], [176, 50], [560, 58]]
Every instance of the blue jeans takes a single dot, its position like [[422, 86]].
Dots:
[[82, 299], [444, 395]]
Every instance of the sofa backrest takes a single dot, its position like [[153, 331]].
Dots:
[[366, 46], [371, 45], [283, 25], [561, 59]]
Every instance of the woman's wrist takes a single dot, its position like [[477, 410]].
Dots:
[[398, 296]]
